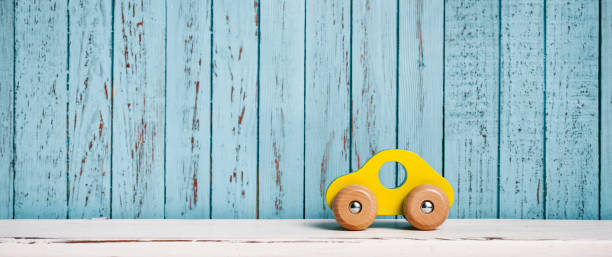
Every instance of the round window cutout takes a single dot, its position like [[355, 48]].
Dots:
[[392, 175]]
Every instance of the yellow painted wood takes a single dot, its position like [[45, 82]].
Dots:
[[390, 200]]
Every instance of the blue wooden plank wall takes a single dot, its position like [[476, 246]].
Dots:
[[235, 109], [89, 110], [471, 107], [249, 109], [605, 110], [7, 18], [41, 110], [571, 105], [521, 117], [188, 103]]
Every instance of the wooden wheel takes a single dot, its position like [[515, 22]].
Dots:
[[426, 207], [355, 207]]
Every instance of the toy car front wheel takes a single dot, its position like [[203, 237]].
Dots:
[[355, 207], [426, 207]]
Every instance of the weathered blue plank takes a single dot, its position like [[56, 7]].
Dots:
[[89, 109], [522, 109], [281, 128], [571, 110], [234, 112], [40, 109], [374, 101], [471, 106], [327, 139], [138, 109], [606, 109], [420, 80], [7, 15], [188, 106]]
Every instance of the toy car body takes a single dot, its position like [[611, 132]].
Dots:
[[392, 201]]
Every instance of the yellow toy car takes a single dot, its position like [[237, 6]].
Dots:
[[424, 198]]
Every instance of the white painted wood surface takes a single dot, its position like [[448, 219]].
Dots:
[[302, 238]]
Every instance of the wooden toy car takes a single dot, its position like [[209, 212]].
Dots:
[[424, 198]]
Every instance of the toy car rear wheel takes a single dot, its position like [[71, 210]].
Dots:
[[355, 207], [426, 207]]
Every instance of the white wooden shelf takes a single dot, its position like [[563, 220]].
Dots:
[[302, 238]]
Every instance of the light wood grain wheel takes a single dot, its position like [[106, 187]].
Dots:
[[426, 207], [355, 207]]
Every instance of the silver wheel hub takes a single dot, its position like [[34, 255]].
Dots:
[[355, 207], [427, 207]]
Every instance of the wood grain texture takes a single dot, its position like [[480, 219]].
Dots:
[[513, 99], [40, 109], [138, 109], [281, 127], [467, 247], [471, 106], [7, 19], [605, 85], [521, 146], [421, 71], [413, 213], [485, 231], [234, 113], [327, 139], [89, 109], [571, 110], [341, 207], [374, 83], [303, 238], [188, 108]]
